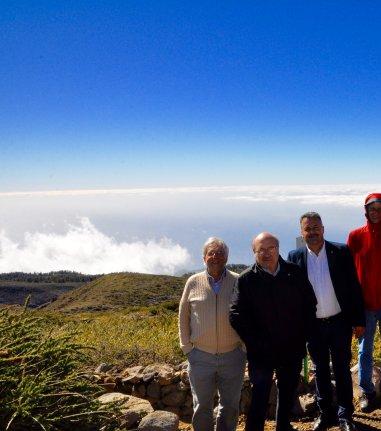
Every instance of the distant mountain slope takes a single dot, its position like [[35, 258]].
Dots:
[[114, 291], [16, 292]]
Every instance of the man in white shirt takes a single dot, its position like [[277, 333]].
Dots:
[[340, 313]]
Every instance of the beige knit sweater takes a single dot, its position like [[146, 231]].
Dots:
[[204, 315]]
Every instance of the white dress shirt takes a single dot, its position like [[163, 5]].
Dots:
[[320, 278]]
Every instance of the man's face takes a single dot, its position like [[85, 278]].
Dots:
[[374, 212], [312, 231], [266, 252], [215, 258]]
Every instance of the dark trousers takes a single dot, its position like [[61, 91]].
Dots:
[[261, 379], [331, 338]]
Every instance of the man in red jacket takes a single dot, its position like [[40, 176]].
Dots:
[[365, 245]]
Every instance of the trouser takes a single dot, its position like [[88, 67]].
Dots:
[[287, 382], [221, 373], [331, 338], [366, 344]]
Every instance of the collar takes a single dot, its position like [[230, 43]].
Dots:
[[261, 268], [320, 254], [223, 275]]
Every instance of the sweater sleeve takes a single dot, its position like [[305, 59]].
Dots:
[[184, 321]]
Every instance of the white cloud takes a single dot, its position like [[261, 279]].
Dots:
[[85, 249], [348, 195]]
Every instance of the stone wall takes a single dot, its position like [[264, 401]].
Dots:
[[167, 388]]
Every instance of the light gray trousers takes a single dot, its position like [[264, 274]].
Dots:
[[221, 373]]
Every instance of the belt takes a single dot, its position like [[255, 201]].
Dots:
[[330, 318]]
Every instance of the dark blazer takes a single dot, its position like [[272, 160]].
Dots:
[[343, 276]]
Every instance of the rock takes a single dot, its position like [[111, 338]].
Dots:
[[134, 378], [175, 410], [159, 421], [180, 386], [132, 408], [139, 390], [103, 368], [148, 377], [113, 397], [153, 390], [165, 377], [165, 390], [183, 365], [188, 401], [132, 371], [126, 387], [174, 399], [130, 419], [109, 387], [138, 405], [184, 377]]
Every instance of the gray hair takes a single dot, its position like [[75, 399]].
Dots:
[[310, 214], [214, 240]]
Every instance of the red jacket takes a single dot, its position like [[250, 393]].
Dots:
[[365, 246]]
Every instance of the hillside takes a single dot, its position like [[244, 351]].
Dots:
[[117, 291], [42, 288], [16, 292]]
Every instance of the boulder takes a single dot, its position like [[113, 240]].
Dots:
[[132, 408], [113, 397], [159, 421]]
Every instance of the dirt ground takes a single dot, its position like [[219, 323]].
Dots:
[[364, 422]]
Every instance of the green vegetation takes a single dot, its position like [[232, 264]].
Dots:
[[42, 384], [137, 335], [118, 291]]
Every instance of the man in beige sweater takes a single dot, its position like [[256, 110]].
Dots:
[[213, 348]]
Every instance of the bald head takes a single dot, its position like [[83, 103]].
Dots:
[[266, 251], [264, 236]]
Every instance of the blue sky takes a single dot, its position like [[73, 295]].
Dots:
[[116, 94], [162, 123]]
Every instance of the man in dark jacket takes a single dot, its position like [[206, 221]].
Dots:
[[330, 269], [273, 307]]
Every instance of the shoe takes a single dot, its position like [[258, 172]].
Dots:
[[368, 402], [321, 423], [347, 425]]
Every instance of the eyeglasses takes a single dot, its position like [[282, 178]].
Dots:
[[216, 253], [263, 251]]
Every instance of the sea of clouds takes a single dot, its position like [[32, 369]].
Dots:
[[161, 231]]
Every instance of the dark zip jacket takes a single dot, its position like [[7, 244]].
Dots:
[[273, 314]]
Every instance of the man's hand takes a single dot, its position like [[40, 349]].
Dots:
[[358, 331]]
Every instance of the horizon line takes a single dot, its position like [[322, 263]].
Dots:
[[183, 189]]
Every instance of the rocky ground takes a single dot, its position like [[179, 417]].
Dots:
[[364, 422]]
